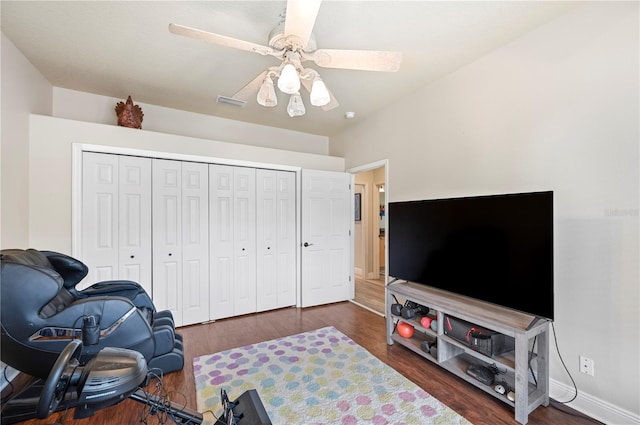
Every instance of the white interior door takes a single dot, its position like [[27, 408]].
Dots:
[[116, 218], [232, 200], [326, 240], [167, 237], [286, 238], [195, 243], [99, 216], [267, 244], [244, 240], [275, 239], [134, 222]]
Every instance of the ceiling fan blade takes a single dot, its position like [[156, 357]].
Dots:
[[333, 103], [251, 88], [300, 19], [223, 40], [363, 60]]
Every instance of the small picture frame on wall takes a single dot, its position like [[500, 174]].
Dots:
[[357, 208]]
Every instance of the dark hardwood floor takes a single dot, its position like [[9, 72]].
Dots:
[[363, 326]]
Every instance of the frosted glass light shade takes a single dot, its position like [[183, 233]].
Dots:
[[295, 108], [289, 82], [267, 94], [319, 93]]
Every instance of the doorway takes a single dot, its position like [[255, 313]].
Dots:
[[370, 189]]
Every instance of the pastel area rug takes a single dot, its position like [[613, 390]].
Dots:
[[317, 377]]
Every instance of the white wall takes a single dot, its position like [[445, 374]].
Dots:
[[557, 109], [24, 90], [82, 106]]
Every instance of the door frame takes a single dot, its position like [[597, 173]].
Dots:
[[368, 167]]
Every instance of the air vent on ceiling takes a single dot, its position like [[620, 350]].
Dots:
[[231, 101]]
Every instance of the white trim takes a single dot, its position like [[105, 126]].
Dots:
[[370, 166], [76, 200], [84, 147], [299, 239], [592, 406], [352, 238], [366, 167]]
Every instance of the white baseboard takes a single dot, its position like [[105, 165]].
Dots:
[[592, 406]]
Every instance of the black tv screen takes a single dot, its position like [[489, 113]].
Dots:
[[495, 248]]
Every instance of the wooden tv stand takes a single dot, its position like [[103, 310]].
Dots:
[[531, 389]]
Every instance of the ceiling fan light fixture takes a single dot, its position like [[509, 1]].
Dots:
[[319, 94], [267, 94], [289, 81], [295, 108]]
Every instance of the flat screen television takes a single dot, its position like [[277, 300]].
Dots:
[[496, 248]]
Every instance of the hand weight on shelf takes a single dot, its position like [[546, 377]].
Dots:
[[412, 309]]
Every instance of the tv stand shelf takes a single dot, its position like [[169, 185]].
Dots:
[[525, 369]]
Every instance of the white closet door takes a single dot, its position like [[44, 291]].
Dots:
[[134, 220], [99, 217], [275, 238], [266, 239], [232, 240], [221, 241], [244, 240], [116, 218], [167, 237], [195, 243], [286, 238]]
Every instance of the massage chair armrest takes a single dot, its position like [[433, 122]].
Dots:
[[120, 288], [71, 269], [106, 311]]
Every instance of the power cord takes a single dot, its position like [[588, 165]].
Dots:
[[560, 404], [575, 387], [163, 416]]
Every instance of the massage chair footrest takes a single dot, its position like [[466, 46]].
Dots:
[[169, 362]]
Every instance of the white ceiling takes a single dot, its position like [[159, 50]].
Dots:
[[121, 48]]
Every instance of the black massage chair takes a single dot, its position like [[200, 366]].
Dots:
[[42, 311]]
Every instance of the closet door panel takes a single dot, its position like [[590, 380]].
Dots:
[[134, 220], [286, 238], [266, 233], [244, 240], [221, 253], [195, 242], [99, 217], [232, 242], [167, 237]]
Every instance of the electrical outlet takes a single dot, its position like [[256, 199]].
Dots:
[[587, 366]]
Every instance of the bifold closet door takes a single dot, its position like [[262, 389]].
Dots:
[[232, 212], [195, 243], [276, 239], [116, 218], [180, 246]]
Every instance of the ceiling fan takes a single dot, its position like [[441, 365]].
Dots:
[[292, 42]]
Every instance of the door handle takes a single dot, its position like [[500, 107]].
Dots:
[[306, 244]]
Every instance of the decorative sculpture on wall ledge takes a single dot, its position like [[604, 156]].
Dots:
[[129, 115]]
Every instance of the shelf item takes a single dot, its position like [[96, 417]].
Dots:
[[512, 344]]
